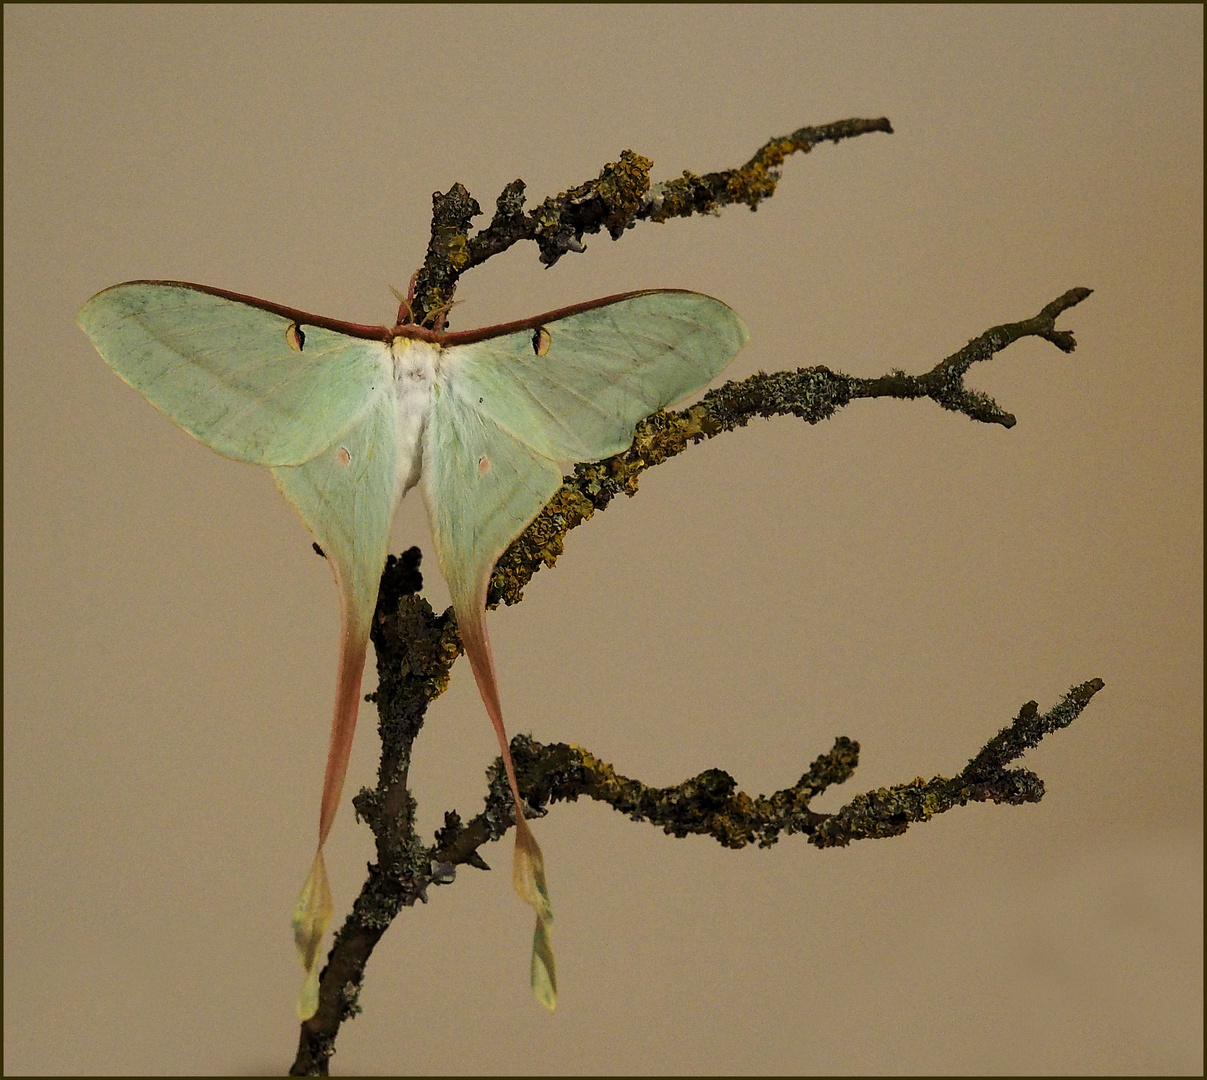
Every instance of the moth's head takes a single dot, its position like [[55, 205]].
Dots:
[[405, 333]]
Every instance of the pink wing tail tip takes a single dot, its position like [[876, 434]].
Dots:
[[354, 645], [471, 623]]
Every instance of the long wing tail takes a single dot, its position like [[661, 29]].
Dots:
[[313, 910], [528, 864]]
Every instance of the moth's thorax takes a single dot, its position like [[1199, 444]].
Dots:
[[414, 361], [414, 373]]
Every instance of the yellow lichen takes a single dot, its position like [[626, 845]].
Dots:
[[458, 250]]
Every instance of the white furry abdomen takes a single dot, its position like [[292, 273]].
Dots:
[[414, 373]]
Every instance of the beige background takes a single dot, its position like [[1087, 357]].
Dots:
[[898, 574]]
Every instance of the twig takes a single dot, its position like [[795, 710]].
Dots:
[[711, 805], [753, 182], [944, 383], [616, 200], [813, 394]]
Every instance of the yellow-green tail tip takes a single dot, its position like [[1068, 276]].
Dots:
[[544, 972], [310, 918], [528, 877]]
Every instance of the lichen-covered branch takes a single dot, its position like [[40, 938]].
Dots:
[[706, 804], [615, 201], [710, 804], [812, 394], [751, 183]]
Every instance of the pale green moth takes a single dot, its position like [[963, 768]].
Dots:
[[349, 418]]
